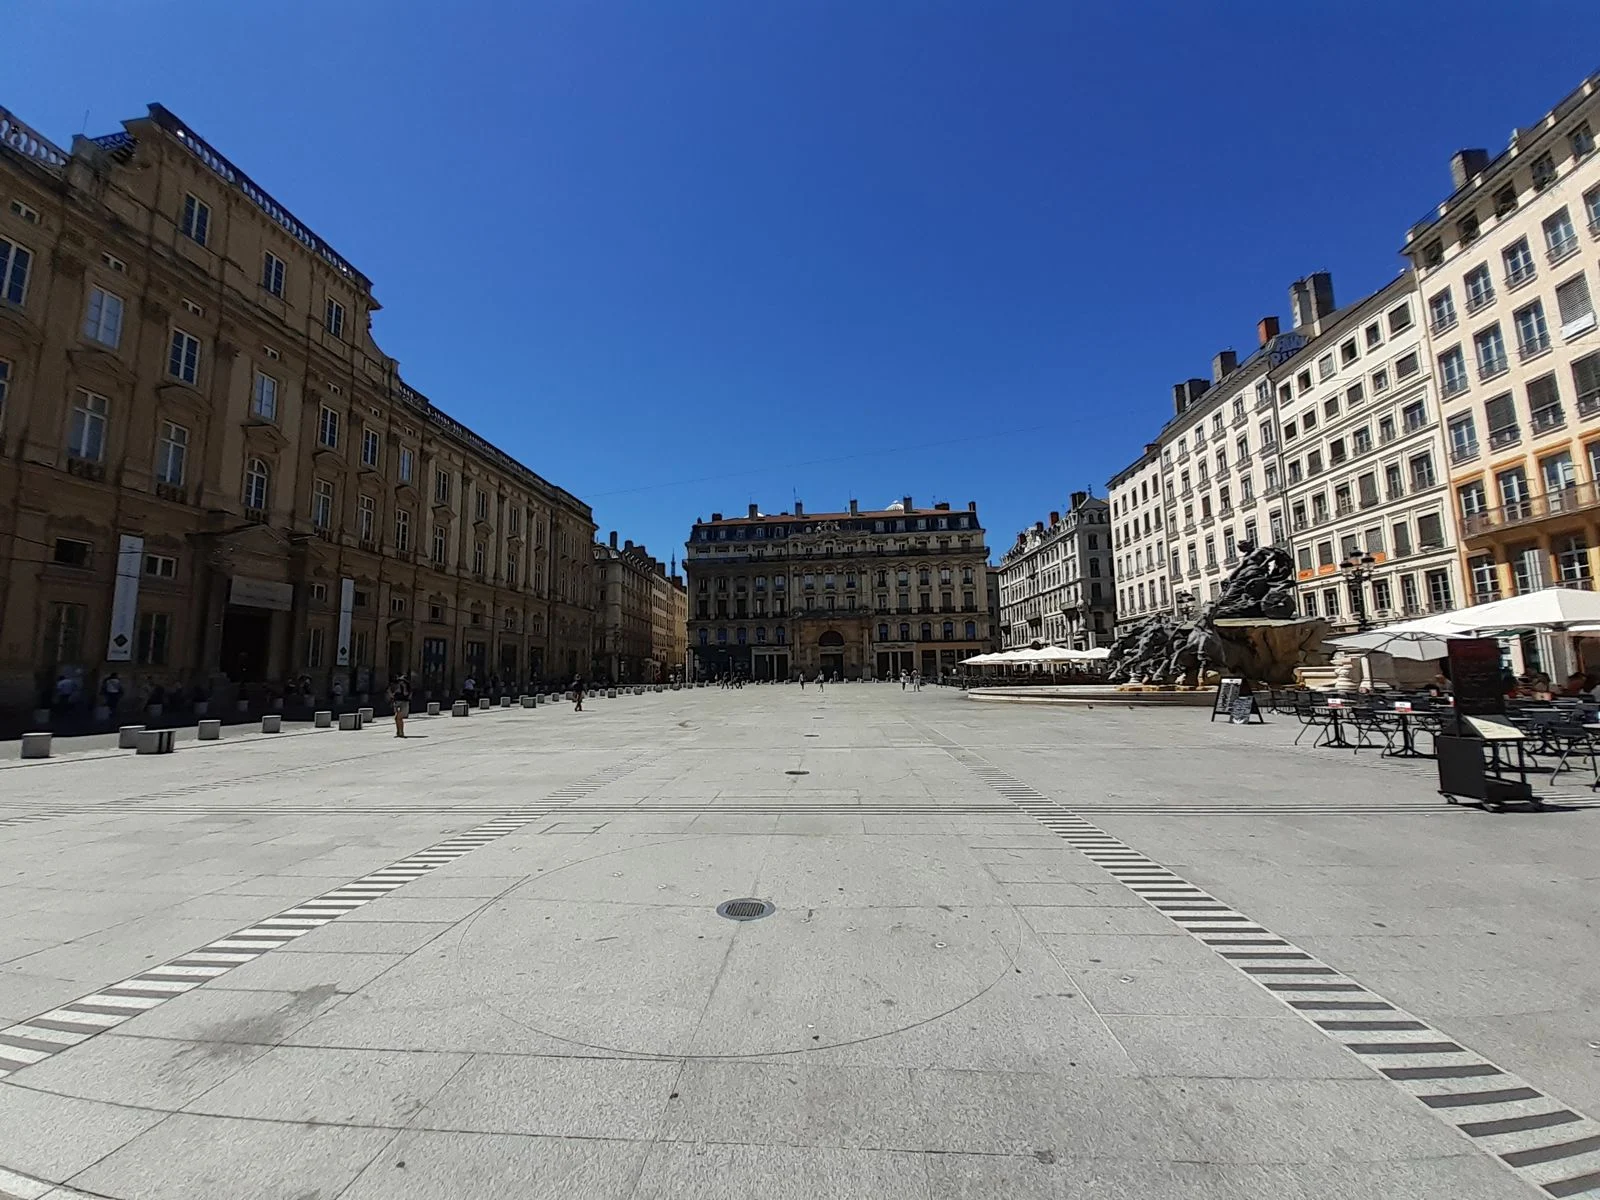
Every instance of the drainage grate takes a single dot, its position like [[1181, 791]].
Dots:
[[745, 910]]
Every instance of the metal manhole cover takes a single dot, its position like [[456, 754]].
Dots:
[[745, 910], [797, 772]]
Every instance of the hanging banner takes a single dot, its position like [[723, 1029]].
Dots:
[[347, 604], [125, 599]]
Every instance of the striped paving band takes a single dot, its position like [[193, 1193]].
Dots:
[[1546, 1143], [49, 1033]]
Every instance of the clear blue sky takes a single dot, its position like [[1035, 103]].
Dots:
[[680, 255]]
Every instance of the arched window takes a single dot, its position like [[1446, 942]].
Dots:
[[905, 631], [972, 631], [761, 635], [780, 635], [883, 632], [927, 632], [256, 480], [949, 630]]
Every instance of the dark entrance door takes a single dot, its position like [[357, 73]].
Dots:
[[832, 664], [246, 634]]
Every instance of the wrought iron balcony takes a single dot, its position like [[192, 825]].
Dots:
[[1481, 301], [1452, 385], [1562, 250], [1533, 347], [1506, 435], [1443, 324], [1493, 367], [1543, 420], [1577, 498]]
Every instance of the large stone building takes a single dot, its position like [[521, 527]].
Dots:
[[1139, 538], [1056, 581], [857, 594], [640, 632], [214, 477], [1508, 267]]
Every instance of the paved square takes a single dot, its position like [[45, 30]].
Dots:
[[1015, 951]]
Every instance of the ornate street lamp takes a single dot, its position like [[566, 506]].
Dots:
[[1357, 569]]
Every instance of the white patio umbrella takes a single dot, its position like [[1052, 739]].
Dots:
[[1555, 609], [1422, 639], [1055, 654], [1095, 654]]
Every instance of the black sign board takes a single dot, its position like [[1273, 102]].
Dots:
[[1475, 677], [1236, 701]]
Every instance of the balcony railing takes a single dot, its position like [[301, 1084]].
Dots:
[[1589, 403], [1482, 300], [1453, 385], [1577, 498], [1506, 435], [1491, 368], [1562, 250], [1542, 420], [1466, 453], [1344, 508], [1443, 324], [1517, 276], [1533, 347]]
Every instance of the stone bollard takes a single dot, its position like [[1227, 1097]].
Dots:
[[460, 708], [611, 693], [36, 745], [128, 736], [155, 741], [349, 721], [505, 701], [366, 715], [526, 701], [433, 708], [272, 723], [322, 719], [539, 698], [210, 731], [484, 703]]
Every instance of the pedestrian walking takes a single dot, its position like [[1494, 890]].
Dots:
[[469, 689], [802, 681], [400, 697], [577, 693], [111, 691], [819, 681], [337, 691]]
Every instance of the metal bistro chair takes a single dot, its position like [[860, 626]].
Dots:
[[1312, 717]]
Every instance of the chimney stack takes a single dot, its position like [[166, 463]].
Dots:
[[1038, 526], [614, 537], [1055, 518], [799, 509], [1464, 164], [1078, 498], [855, 508], [716, 516], [754, 511], [1300, 315], [1267, 329], [628, 545], [1197, 388], [905, 502], [1223, 365], [1321, 285], [1180, 397], [972, 506]]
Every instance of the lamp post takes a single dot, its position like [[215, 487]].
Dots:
[[1357, 569]]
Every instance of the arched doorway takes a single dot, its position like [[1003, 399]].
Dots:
[[831, 647]]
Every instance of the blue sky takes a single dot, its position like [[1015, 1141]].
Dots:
[[679, 256]]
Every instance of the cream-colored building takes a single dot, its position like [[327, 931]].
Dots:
[[1057, 585], [1139, 540], [1508, 268], [1364, 467], [214, 477], [855, 594], [640, 632]]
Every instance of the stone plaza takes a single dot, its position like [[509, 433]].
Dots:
[[1007, 951]]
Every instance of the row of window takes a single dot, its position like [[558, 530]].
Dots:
[[1558, 473], [1545, 411], [1135, 597], [1575, 308], [1327, 601], [760, 533], [1542, 172]]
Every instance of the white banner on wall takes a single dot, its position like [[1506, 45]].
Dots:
[[347, 604], [125, 600]]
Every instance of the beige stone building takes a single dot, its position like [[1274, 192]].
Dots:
[[1057, 585], [857, 594], [640, 619], [214, 477], [1508, 267]]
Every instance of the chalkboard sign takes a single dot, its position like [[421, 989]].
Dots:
[[1475, 677], [1236, 701]]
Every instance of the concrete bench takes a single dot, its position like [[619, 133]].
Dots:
[[323, 719], [210, 731], [460, 708], [36, 745], [128, 736], [272, 723], [433, 708], [154, 741], [366, 715], [526, 701], [349, 721]]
